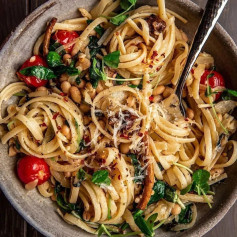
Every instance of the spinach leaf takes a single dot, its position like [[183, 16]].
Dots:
[[17, 144], [101, 177], [93, 46], [142, 224], [170, 194], [159, 189], [40, 72], [112, 59], [71, 71], [54, 59], [58, 188], [98, 29], [96, 72], [185, 215], [139, 173]]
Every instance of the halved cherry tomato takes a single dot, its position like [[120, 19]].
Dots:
[[30, 168], [215, 79], [64, 37], [32, 80]]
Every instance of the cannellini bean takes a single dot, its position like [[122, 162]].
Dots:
[[91, 90], [66, 131], [176, 209], [136, 82], [75, 94], [41, 88], [65, 86], [84, 108], [83, 64], [158, 90], [167, 92], [157, 98]]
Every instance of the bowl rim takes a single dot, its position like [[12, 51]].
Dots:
[[200, 230]]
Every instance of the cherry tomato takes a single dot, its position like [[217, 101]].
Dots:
[[64, 37], [215, 80], [32, 80], [30, 168]]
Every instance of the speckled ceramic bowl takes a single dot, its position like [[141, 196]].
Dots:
[[40, 212]]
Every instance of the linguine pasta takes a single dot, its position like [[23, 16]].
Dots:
[[120, 153]]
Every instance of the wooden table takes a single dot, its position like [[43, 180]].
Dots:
[[12, 12]]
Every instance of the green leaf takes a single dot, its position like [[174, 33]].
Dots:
[[102, 229], [93, 46], [96, 72], [187, 189], [142, 224], [81, 174], [40, 72], [101, 177], [201, 176], [139, 172], [200, 179], [78, 80], [117, 20], [17, 144], [112, 59], [210, 75], [159, 189], [208, 91], [170, 194], [98, 29], [109, 208], [228, 94], [54, 59], [20, 94], [71, 71], [185, 215], [151, 220]]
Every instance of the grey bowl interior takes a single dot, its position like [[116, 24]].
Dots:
[[41, 212]]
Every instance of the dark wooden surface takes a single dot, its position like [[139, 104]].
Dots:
[[12, 12]]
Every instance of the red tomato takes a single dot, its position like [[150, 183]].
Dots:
[[30, 168], [64, 37], [215, 80], [32, 80]]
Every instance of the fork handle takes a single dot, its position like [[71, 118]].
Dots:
[[210, 16]]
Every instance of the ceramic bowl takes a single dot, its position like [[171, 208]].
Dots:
[[41, 212]]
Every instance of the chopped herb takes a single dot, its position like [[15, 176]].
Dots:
[[187, 189], [40, 72], [101, 177], [117, 20], [112, 59], [81, 174]]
